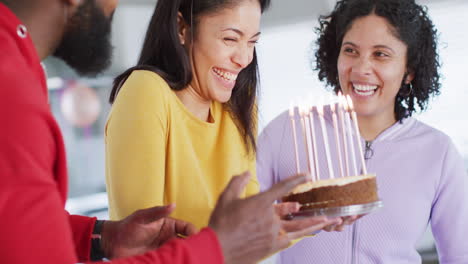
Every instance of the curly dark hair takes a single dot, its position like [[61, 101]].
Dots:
[[411, 24]]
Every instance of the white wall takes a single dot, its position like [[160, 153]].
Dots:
[[447, 112], [284, 54]]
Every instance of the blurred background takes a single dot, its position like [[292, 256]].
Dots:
[[285, 57]]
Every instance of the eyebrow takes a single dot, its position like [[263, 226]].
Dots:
[[240, 32], [376, 46]]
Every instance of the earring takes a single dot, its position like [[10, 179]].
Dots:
[[410, 85]]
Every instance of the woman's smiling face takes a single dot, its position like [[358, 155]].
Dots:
[[224, 45], [372, 66]]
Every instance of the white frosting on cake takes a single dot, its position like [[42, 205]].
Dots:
[[330, 182]]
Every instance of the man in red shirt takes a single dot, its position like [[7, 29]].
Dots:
[[34, 226]]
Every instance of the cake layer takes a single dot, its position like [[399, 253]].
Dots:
[[335, 192]]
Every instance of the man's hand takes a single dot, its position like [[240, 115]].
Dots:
[[250, 229], [142, 231]]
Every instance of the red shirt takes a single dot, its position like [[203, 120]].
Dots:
[[34, 227]]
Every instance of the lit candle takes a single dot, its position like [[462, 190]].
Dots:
[[325, 141], [293, 125], [356, 130], [305, 133], [343, 130], [310, 118], [337, 137], [350, 136]]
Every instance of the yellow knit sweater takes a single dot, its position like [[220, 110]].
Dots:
[[157, 152]]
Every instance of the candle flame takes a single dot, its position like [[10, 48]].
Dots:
[[305, 109], [291, 109], [301, 109], [310, 100], [332, 107], [340, 99], [350, 102], [344, 104], [320, 109]]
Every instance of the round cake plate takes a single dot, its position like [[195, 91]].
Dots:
[[348, 210]]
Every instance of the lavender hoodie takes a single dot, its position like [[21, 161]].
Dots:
[[421, 180]]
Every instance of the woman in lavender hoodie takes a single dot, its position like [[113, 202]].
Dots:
[[383, 53]]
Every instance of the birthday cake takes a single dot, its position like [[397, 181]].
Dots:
[[335, 192]]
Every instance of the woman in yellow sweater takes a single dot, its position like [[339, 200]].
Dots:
[[183, 121]]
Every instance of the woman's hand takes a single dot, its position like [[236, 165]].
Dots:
[[346, 220], [301, 227]]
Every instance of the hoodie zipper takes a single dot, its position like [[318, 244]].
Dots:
[[368, 153], [353, 244]]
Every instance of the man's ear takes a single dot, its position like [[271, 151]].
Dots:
[[182, 28]]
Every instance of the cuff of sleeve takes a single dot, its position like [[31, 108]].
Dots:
[[82, 229], [207, 246]]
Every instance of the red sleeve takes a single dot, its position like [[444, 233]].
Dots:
[[82, 228], [202, 248], [33, 223]]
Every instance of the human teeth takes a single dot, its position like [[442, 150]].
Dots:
[[365, 93], [364, 87], [364, 90], [225, 75]]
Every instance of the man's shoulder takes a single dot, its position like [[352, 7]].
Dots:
[[18, 86]]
